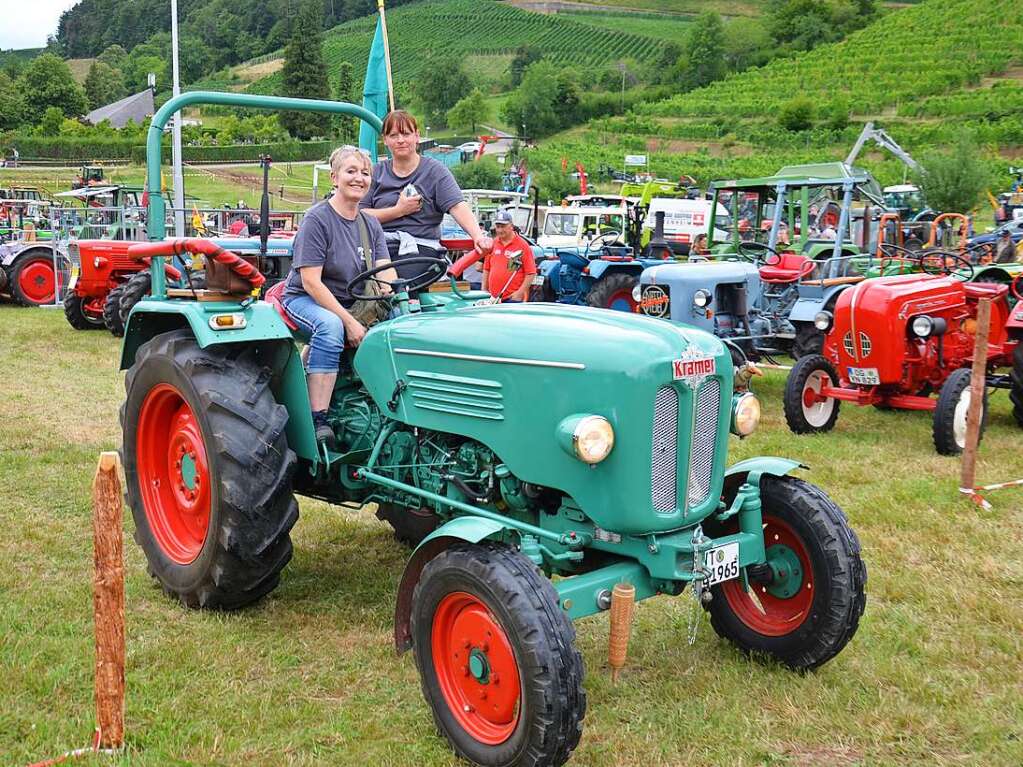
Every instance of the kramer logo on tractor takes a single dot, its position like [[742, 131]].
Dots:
[[436, 421]]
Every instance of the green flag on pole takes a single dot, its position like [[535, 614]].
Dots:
[[374, 91]]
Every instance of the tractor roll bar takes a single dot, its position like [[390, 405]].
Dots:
[[156, 225], [198, 246]]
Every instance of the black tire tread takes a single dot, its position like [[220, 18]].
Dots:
[[543, 627], [793, 397], [847, 576], [601, 293], [1016, 392], [112, 312], [134, 290], [254, 464], [29, 256], [809, 340], [410, 526], [74, 313]]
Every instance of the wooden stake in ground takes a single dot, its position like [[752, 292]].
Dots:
[[968, 476], [108, 600], [623, 606]]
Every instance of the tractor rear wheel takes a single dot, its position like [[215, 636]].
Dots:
[[809, 340], [33, 279], [1016, 393], [950, 419], [810, 595], [496, 657], [80, 315], [112, 311], [614, 292], [208, 471], [410, 526], [805, 412]]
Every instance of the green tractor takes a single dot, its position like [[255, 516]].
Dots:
[[617, 475]]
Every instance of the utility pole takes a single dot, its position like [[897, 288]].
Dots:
[[179, 182]]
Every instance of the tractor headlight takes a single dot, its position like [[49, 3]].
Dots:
[[589, 438], [701, 298], [745, 414], [925, 327], [637, 293], [822, 321]]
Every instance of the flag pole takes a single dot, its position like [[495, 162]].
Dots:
[[387, 54]]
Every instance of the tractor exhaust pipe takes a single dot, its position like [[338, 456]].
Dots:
[[659, 247]]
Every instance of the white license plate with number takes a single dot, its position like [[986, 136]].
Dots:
[[538, 279], [864, 376], [722, 563]]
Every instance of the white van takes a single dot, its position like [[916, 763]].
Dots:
[[577, 225], [684, 221]]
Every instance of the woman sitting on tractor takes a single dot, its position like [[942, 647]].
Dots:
[[328, 253], [410, 195]]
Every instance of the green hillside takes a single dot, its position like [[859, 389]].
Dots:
[[925, 72], [658, 25], [483, 29]]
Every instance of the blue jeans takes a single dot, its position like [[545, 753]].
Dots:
[[322, 328]]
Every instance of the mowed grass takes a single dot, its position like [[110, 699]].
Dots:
[[309, 676]]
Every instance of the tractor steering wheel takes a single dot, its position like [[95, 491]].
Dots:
[[434, 269], [937, 262], [896, 255], [605, 239], [754, 252]]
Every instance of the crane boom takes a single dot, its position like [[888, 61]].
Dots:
[[882, 139]]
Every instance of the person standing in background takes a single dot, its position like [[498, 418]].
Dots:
[[509, 267]]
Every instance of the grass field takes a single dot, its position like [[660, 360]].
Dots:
[[309, 676]]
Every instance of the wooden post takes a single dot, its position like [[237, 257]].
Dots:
[[108, 600], [967, 478], [623, 605]]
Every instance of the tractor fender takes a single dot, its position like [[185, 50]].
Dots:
[[993, 273], [461, 529], [739, 472], [806, 308], [599, 269], [35, 249], [551, 271]]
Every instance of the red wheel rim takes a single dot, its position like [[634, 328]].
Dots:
[[173, 474], [621, 300], [36, 281], [781, 616], [476, 668]]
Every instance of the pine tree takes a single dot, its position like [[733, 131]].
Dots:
[[346, 128], [305, 73]]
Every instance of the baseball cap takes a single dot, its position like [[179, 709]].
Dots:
[[503, 217]]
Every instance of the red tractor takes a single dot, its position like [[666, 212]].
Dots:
[[893, 342]]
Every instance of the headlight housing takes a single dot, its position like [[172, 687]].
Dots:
[[925, 327], [701, 298], [590, 438], [822, 321], [637, 293], [745, 414]]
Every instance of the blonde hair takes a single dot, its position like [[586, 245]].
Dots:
[[337, 157]]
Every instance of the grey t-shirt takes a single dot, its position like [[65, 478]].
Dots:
[[328, 239], [435, 185]]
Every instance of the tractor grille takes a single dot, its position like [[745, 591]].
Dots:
[[701, 452], [664, 458], [865, 345], [847, 344]]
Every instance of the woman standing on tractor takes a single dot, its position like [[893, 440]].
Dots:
[[329, 251], [410, 195]]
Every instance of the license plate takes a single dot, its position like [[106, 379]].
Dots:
[[74, 278], [722, 563], [864, 376], [538, 279]]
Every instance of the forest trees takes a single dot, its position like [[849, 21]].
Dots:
[[305, 74]]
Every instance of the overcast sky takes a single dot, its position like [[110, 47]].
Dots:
[[26, 23]]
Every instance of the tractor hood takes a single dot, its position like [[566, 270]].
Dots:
[[513, 376], [872, 319], [698, 274]]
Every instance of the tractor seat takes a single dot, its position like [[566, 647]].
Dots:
[[790, 267], [992, 290], [274, 297]]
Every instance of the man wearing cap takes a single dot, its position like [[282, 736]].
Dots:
[[509, 268], [1005, 251]]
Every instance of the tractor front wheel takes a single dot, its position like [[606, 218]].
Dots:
[[950, 413], [614, 292], [80, 313], [208, 471], [1016, 393], [806, 410], [805, 603], [112, 311], [496, 657]]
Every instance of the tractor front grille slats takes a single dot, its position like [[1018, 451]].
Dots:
[[701, 451], [664, 451]]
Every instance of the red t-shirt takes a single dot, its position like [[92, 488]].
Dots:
[[508, 266]]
